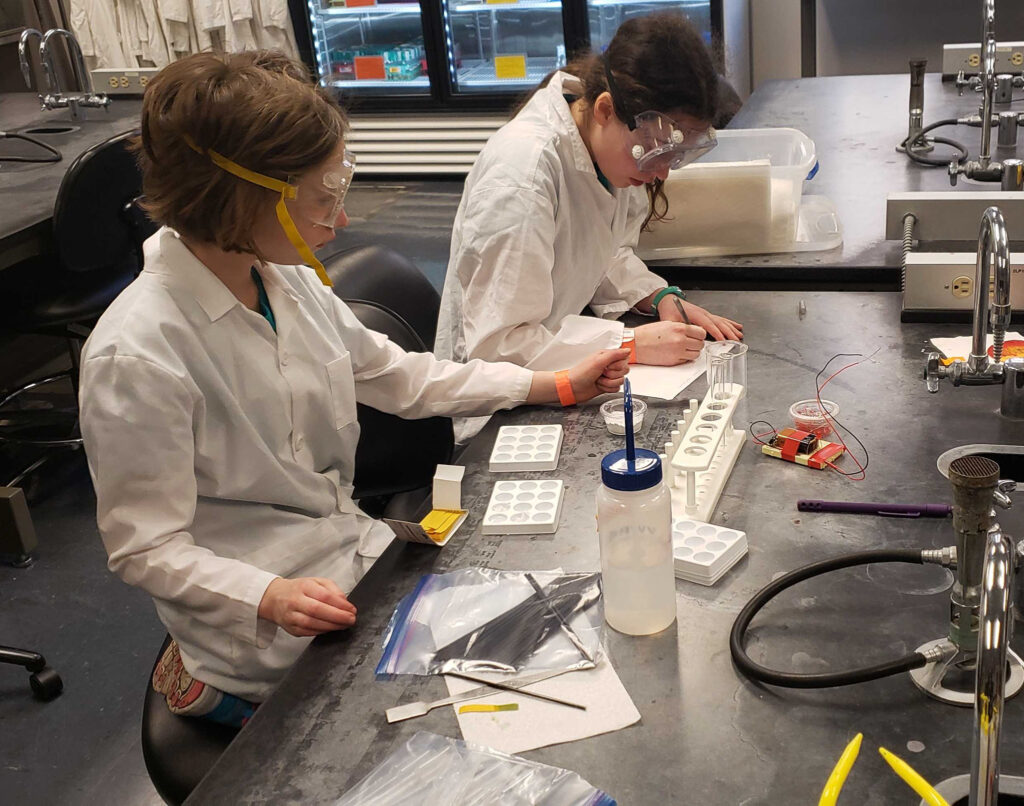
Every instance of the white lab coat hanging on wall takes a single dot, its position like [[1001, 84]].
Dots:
[[94, 23]]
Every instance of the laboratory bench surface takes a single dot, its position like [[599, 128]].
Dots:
[[707, 735], [28, 190], [856, 122]]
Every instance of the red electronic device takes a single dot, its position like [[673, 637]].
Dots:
[[802, 448]]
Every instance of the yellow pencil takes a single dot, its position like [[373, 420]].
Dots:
[[915, 781], [830, 794]]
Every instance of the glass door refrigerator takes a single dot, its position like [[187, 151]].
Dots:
[[605, 16], [426, 82], [464, 54], [373, 49]]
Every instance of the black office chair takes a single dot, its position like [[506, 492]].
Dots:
[[178, 750], [98, 232], [388, 293], [382, 275]]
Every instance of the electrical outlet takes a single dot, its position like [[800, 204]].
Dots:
[[123, 81], [966, 56], [962, 286]]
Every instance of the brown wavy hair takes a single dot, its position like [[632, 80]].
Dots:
[[658, 62], [259, 109]]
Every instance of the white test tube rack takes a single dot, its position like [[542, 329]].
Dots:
[[702, 451]]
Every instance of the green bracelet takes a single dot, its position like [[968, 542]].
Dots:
[[664, 293]]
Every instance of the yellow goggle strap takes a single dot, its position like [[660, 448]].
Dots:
[[287, 190], [300, 245]]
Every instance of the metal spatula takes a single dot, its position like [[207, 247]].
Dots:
[[414, 709]]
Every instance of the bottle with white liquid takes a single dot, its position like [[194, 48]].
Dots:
[[634, 522]]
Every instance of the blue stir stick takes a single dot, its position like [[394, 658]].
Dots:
[[628, 405]]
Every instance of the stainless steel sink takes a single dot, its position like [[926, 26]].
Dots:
[[1010, 459], [956, 790]]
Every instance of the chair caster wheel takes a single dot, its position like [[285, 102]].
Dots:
[[46, 684]]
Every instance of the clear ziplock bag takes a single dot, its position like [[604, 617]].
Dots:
[[431, 770], [479, 619]]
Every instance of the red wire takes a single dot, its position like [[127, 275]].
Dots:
[[829, 418]]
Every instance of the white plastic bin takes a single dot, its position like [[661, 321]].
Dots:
[[744, 197]]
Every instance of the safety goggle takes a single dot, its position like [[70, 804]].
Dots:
[[658, 143], [318, 199]]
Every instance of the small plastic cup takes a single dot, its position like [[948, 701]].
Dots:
[[614, 413], [808, 416]]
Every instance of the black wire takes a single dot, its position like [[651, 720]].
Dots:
[[55, 155], [817, 395], [775, 431], [934, 162]]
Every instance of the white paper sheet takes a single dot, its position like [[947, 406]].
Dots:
[[665, 382], [960, 346], [540, 724]]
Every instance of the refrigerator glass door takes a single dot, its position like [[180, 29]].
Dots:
[[501, 46], [370, 47], [605, 16]]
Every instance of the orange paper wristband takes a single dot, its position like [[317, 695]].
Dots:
[[564, 388], [631, 344]]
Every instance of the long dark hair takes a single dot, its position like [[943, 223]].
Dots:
[[659, 62]]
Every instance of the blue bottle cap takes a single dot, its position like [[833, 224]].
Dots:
[[619, 473]]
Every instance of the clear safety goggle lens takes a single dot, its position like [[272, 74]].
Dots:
[[321, 200], [659, 144]]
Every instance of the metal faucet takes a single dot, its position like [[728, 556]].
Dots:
[[984, 168], [26, 66], [979, 369], [56, 98], [994, 631]]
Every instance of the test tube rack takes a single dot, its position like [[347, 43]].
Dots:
[[702, 452]]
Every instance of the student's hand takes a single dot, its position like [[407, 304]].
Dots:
[[596, 374], [668, 343], [719, 327], [599, 374], [306, 606]]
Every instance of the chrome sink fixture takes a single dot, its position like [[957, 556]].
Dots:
[[979, 369], [56, 97], [976, 489], [984, 601], [983, 169]]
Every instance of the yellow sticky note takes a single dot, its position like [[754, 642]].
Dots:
[[499, 2], [510, 66]]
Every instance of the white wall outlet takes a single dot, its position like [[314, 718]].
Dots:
[[966, 56], [123, 81]]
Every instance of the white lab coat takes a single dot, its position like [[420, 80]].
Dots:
[[95, 25], [222, 453], [537, 239]]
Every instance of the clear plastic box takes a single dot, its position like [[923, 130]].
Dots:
[[744, 197]]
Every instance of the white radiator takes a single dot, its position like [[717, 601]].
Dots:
[[438, 143]]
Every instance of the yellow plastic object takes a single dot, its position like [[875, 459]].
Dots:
[[834, 784], [913, 779], [510, 66], [488, 709], [439, 522]]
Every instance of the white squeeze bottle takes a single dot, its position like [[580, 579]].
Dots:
[[634, 523]]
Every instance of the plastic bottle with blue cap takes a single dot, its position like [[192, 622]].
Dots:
[[634, 524]]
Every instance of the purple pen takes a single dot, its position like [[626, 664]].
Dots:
[[887, 510]]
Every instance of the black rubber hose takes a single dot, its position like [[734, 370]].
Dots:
[[935, 162], [52, 155], [789, 680]]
